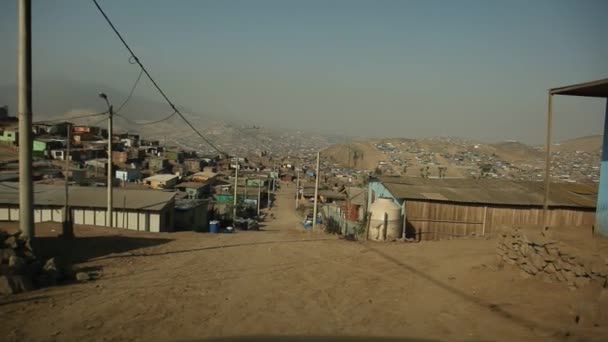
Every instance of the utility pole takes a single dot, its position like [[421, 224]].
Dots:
[[68, 229], [110, 116], [245, 191], [268, 194], [314, 211], [259, 195], [274, 179], [24, 76], [297, 190], [110, 189], [236, 180]]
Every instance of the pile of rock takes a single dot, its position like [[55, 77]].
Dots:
[[536, 254], [21, 270]]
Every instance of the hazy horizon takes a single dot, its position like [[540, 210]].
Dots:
[[472, 69]]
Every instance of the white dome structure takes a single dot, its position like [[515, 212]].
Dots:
[[385, 220]]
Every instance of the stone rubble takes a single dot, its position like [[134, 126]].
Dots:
[[537, 255], [21, 271]]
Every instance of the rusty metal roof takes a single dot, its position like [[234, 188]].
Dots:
[[491, 191], [88, 197], [597, 88]]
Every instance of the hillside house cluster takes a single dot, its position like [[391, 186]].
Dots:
[[186, 182]]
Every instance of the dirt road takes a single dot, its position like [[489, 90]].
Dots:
[[286, 281]]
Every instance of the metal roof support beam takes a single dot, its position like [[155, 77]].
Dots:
[[548, 162], [599, 89], [601, 213]]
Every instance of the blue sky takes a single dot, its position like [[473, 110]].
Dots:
[[475, 69]]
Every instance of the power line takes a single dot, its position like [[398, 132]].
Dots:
[[147, 123], [98, 122], [153, 81], [141, 72]]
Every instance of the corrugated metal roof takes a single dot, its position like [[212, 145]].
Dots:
[[357, 195], [597, 88], [491, 191], [88, 197], [161, 177], [192, 185]]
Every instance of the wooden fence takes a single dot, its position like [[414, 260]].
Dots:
[[433, 220]]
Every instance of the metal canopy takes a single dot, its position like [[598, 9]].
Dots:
[[597, 88]]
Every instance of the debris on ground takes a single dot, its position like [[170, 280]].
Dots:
[[21, 270]]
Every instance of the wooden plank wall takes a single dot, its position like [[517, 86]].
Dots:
[[440, 220]]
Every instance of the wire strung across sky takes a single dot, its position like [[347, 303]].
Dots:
[[153, 81], [147, 123], [141, 72]]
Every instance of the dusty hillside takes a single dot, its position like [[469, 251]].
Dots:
[[513, 151], [589, 144], [356, 154], [458, 157]]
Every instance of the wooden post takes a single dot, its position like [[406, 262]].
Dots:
[[404, 221], [385, 227], [545, 222], [369, 220], [483, 226], [314, 210]]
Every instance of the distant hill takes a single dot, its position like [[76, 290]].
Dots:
[[589, 144], [513, 151], [56, 98], [466, 158], [355, 154], [62, 99]]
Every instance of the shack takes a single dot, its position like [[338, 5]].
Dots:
[[161, 181], [194, 190], [451, 208], [191, 214]]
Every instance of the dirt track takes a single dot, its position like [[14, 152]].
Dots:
[[284, 281]]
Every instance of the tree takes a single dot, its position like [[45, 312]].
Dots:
[[424, 172], [485, 170], [442, 171]]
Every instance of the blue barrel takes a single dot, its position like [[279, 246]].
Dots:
[[214, 227]]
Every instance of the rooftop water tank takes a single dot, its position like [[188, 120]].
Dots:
[[385, 220]]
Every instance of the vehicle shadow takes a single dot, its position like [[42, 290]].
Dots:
[[491, 307], [81, 249]]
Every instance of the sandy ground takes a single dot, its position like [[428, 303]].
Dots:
[[284, 281]]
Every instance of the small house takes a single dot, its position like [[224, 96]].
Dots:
[[194, 190], [191, 214], [193, 165], [157, 163], [203, 176], [128, 175], [135, 154], [119, 157], [9, 137], [177, 156], [147, 142], [42, 147], [161, 181]]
